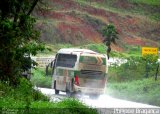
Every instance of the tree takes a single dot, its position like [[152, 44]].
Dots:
[[110, 34], [18, 38]]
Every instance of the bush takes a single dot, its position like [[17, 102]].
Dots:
[[133, 69], [100, 48], [67, 106], [24, 100], [40, 79], [145, 91], [20, 96]]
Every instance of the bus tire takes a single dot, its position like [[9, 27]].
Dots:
[[56, 91], [70, 94], [69, 91], [72, 85]]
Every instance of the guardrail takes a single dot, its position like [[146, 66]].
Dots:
[[43, 61]]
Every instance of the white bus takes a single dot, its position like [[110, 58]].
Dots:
[[80, 70]]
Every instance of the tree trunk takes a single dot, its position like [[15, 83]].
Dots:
[[32, 7], [108, 51], [147, 69], [156, 77]]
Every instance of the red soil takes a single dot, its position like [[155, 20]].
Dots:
[[128, 27], [116, 48], [134, 41], [85, 32]]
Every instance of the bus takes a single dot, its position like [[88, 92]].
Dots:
[[79, 71]]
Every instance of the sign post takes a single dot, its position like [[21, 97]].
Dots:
[[156, 76], [150, 51]]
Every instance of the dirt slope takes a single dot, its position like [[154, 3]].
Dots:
[[69, 21]]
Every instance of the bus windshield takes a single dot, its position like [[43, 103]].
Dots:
[[66, 60]]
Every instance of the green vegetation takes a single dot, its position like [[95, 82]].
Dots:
[[130, 51], [67, 106], [144, 91], [146, 8], [133, 50], [133, 81], [128, 72], [52, 49], [100, 48], [19, 39], [20, 96], [40, 79], [133, 69], [24, 99], [148, 2]]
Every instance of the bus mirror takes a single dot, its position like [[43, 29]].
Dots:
[[52, 63]]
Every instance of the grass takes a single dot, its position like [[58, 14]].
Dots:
[[67, 106], [133, 50], [53, 48], [100, 48], [128, 81], [129, 51], [40, 79], [148, 2], [144, 91], [19, 97], [134, 69], [25, 100], [145, 8], [101, 6]]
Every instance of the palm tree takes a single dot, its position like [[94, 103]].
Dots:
[[110, 35]]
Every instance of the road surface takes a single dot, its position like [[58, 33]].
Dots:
[[105, 103]]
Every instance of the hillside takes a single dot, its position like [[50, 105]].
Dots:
[[79, 22]]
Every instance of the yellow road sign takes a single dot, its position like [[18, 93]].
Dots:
[[149, 50]]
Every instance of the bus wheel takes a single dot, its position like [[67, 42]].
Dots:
[[69, 91], [56, 91], [70, 94], [94, 96]]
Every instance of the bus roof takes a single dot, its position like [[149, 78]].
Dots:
[[77, 51]]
